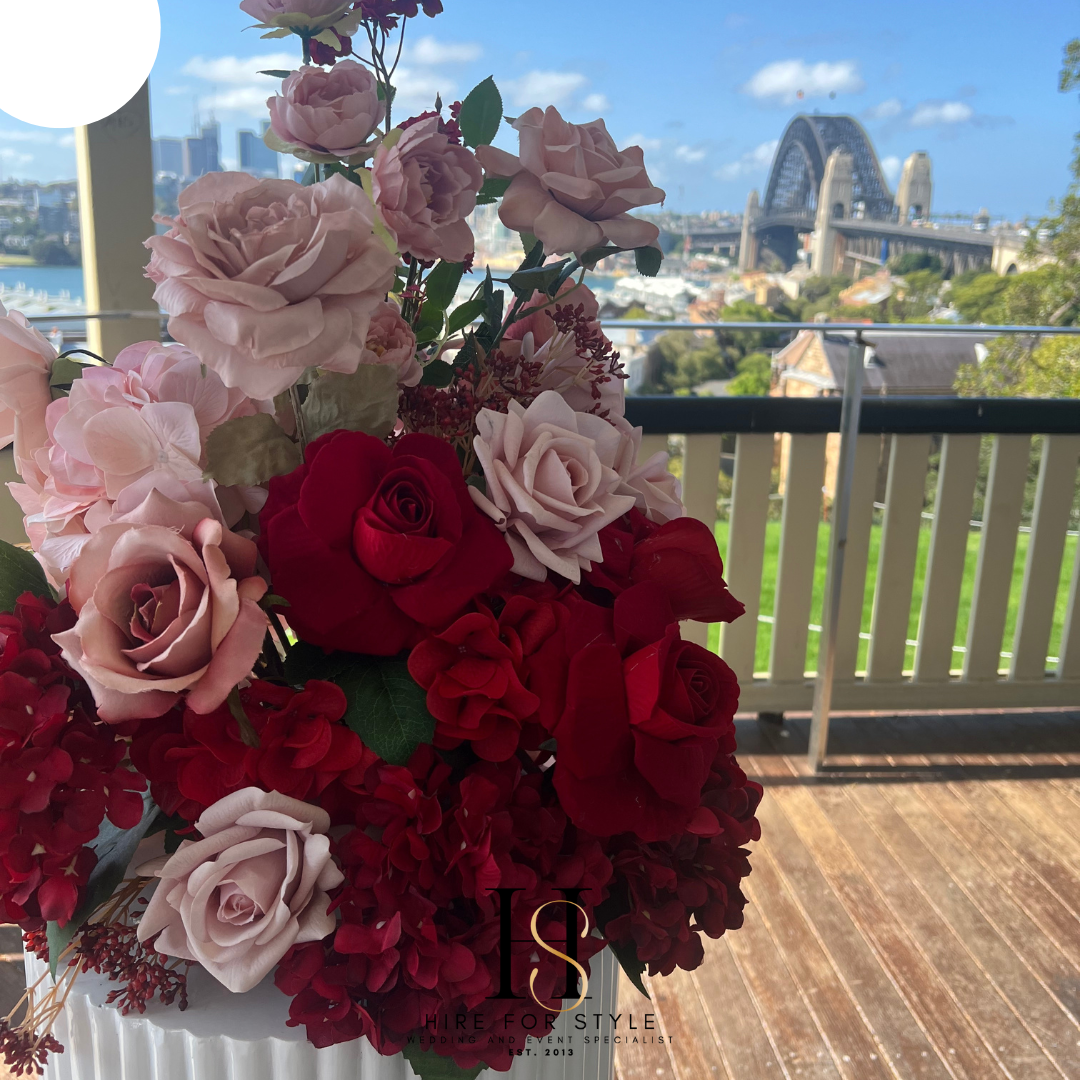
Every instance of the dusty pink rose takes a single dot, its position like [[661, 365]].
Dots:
[[326, 115], [265, 278], [572, 188], [658, 494], [25, 363], [124, 431], [391, 341], [308, 15], [552, 483], [162, 614], [540, 323], [254, 886], [425, 187]]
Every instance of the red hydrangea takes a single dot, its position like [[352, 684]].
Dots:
[[60, 773], [305, 751], [670, 893]]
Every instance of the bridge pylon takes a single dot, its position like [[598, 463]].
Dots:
[[916, 188], [834, 204], [748, 242]]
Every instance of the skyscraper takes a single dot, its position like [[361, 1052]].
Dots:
[[169, 156], [254, 155], [202, 153]]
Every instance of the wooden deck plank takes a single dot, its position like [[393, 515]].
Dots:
[[690, 1044], [855, 1050], [947, 1025], [734, 1022], [641, 1060], [1012, 953]]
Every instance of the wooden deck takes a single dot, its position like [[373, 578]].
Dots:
[[914, 912]]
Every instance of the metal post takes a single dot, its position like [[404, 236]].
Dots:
[[834, 574]]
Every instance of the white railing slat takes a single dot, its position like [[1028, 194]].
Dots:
[[957, 474], [746, 545], [1068, 666], [652, 444], [1046, 545], [997, 550], [904, 494], [701, 485], [798, 551], [856, 556]]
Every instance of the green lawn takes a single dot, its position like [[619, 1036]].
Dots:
[[768, 590]]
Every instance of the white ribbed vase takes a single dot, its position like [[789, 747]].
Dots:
[[225, 1036]]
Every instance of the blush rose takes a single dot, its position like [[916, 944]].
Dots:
[[254, 886], [163, 614], [391, 341], [265, 278]]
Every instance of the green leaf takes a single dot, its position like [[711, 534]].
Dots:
[[627, 956], [309, 177], [648, 260], [494, 189], [481, 114], [250, 450], [276, 73], [429, 324], [387, 708], [493, 301], [442, 283], [65, 371], [591, 257], [526, 282], [365, 401], [115, 849], [461, 316], [19, 573], [438, 373], [350, 174], [528, 245], [428, 1065]]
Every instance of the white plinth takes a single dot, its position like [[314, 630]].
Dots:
[[225, 1036]]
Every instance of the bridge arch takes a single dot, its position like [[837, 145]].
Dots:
[[799, 165]]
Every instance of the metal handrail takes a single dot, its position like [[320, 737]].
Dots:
[[54, 317], [858, 328]]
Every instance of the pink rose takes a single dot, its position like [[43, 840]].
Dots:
[[425, 187], [308, 15], [657, 493], [265, 278], [25, 363], [122, 432], [540, 323], [326, 115], [162, 614], [572, 188], [254, 886], [552, 483], [391, 341]]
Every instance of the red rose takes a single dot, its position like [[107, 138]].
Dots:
[[370, 544], [472, 672], [645, 713]]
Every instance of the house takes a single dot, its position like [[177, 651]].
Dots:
[[814, 364]]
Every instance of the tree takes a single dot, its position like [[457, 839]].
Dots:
[[975, 297], [754, 378], [51, 253], [678, 361], [1047, 296], [915, 260]]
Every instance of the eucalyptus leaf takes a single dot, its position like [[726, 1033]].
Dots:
[[438, 373], [365, 401], [249, 450], [494, 189], [115, 848], [429, 1065], [441, 284], [481, 114], [19, 573], [648, 260], [461, 316], [276, 73], [387, 708]]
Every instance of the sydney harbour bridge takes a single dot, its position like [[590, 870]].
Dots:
[[827, 195]]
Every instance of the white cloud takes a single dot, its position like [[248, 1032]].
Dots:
[[643, 141], [753, 161], [417, 89], [66, 140], [596, 103], [890, 166], [545, 87], [690, 154], [886, 110], [13, 159], [787, 81], [428, 50], [48, 138], [237, 85], [930, 113], [176, 91]]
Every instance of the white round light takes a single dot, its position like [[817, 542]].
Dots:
[[103, 53]]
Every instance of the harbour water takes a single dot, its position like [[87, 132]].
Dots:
[[51, 279]]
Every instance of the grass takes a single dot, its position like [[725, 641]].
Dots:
[[768, 592], [16, 260]]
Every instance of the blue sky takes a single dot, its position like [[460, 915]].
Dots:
[[706, 87]]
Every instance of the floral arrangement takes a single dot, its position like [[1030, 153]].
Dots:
[[348, 652]]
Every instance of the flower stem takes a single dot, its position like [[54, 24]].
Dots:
[[298, 415]]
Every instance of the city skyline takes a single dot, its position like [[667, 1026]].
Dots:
[[974, 86]]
